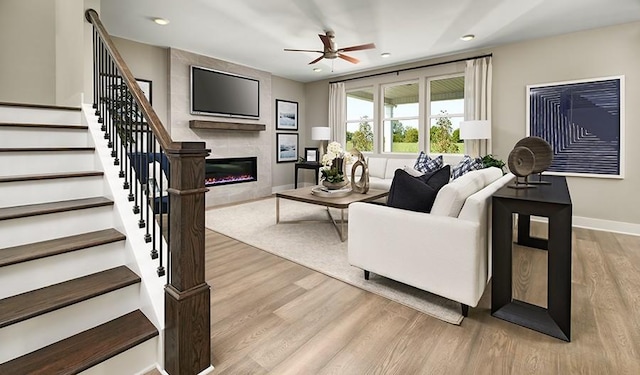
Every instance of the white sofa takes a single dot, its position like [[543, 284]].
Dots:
[[446, 252], [382, 169]]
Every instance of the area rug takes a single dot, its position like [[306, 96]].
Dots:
[[316, 245]]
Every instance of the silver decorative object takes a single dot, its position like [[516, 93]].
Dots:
[[362, 185]]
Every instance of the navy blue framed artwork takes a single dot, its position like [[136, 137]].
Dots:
[[583, 121]]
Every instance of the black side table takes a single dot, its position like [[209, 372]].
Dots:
[[551, 201], [306, 165]]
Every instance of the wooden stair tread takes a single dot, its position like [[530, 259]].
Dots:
[[27, 305], [43, 126], [38, 250], [46, 149], [49, 176], [16, 212], [40, 106], [86, 349]]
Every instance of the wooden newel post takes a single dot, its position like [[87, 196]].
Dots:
[[187, 303]]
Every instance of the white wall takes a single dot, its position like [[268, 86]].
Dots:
[[604, 203], [69, 40], [27, 60]]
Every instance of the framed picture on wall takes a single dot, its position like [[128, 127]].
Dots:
[[145, 85], [583, 121], [286, 147], [311, 155], [286, 115]]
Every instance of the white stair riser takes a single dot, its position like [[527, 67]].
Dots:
[[36, 274], [35, 333], [21, 163], [42, 137], [38, 116], [136, 360], [33, 192], [45, 227]]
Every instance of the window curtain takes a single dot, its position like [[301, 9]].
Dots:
[[337, 113], [477, 97]]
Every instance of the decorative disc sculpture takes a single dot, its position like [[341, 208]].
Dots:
[[362, 185], [543, 154], [521, 161]]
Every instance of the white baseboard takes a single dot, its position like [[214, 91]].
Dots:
[[606, 225], [600, 224]]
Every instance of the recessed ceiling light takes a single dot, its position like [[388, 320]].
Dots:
[[161, 21], [317, 69], [468, 37], [385, 55]]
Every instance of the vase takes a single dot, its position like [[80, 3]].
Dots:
[[334, 185]]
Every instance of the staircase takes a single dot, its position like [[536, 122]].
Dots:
[[69, 302]]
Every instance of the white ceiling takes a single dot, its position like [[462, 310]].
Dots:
[[255, 32]]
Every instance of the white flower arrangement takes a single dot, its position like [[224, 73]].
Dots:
[[334, 151]]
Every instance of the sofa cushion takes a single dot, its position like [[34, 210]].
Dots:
[[393, 164], [377, 166], [416, 193], [467, 164], [452, 196], [428, 164]]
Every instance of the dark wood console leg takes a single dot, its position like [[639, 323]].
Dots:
[[465, 310], [366, 275]]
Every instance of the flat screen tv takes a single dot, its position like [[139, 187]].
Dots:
[[219, 93]]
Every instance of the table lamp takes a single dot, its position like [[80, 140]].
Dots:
[[322, 134], [475, 129]]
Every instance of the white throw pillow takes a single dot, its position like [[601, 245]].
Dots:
[[412, 172]]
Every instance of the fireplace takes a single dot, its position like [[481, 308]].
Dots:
[[226, 171]]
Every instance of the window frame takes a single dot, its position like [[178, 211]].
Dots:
[[429, 116], [383, 118]]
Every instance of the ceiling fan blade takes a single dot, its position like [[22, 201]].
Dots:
[[316, 60], [358, 48], [326, 41], [348, 58], [302, 50]]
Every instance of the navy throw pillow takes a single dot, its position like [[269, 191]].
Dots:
[[416, 193]]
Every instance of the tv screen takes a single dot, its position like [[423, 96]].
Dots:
[[224, 94]]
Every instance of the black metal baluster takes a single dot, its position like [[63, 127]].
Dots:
[[154, 250], [151, 201], [95, 73], [144, 149], [161, 270], [140, 162]]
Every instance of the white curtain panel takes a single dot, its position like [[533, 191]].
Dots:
[[337, 113], [477, 96]]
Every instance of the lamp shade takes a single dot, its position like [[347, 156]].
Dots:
[[320, 133], [475, 129]]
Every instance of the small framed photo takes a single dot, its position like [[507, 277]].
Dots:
[[311, 155], [145, 85], [286, 115], [286, 147]]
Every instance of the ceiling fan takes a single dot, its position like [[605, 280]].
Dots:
[[332, 52]]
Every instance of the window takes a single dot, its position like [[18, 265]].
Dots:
[[360, 119], [401, 118], [446, 111]]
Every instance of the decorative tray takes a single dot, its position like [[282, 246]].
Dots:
[[322, 191]]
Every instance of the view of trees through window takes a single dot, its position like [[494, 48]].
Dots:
[[401, 124]]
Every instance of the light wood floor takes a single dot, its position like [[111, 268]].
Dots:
[[272, 316]]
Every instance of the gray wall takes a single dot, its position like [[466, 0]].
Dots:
[[610, 51], [150, 63], [27, 42], [283, 173]]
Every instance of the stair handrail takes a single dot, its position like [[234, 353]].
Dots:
[[187, 301]]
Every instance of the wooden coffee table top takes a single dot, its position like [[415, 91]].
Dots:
[[305, 195]]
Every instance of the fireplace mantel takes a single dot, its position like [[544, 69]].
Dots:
[[201, 124]]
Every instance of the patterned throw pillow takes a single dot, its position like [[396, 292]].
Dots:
[[426, 164], [467, 164]]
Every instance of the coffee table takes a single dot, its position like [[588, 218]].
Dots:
[[342, 203]]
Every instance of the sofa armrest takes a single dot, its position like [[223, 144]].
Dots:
[[443, 255]]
